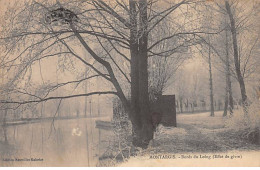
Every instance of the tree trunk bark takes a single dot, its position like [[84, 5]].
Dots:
[[181, 105], [236, 58], [211, 84], [226, 104], [135, 111], [228, 98], [142, 123], [86, 98], [226, 71], [4, 127], [146, 129]]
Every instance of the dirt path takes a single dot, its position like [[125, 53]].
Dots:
[[198, 133]]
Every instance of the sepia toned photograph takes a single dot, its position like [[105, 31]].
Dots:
[[129, 83]]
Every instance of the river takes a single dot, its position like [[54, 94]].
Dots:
[[74, 142]]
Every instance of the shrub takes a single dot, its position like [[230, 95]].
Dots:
[[246, 125]]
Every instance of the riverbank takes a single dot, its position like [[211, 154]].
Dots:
[[41, 119], [72, 142]]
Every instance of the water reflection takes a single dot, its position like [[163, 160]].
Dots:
[[73, 142]]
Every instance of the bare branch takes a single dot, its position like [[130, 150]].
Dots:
[[109, 10], [58, 97]]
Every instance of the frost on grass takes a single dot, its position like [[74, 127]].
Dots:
[[195, 133], [168, 132], [246, 126], [120, 149]]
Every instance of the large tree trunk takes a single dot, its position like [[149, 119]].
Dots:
[[135, 111], [142, 123], [236, 58]]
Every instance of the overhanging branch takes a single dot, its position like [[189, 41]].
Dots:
[[58, 97]]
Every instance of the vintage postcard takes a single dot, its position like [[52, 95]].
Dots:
[[143, 83]]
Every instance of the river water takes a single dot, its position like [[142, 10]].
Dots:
[[74, 142]]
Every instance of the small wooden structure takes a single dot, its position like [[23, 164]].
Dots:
[[165, 104]]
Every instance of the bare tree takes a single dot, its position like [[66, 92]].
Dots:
[[112, 33], [244, 53], [236, 57], [228, 94], [206, 51], [237, 24], [210, 82]]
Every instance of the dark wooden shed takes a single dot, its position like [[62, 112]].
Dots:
[[167, 107], [165, 104]]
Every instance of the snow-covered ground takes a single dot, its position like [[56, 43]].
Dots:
[[196, 134]]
